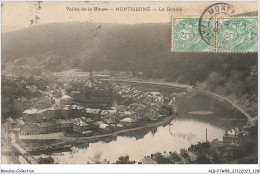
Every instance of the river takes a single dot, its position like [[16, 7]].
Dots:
[[179, 134], [197, 112]]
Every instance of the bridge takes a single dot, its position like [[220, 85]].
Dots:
[[22, 151], [184, 86]]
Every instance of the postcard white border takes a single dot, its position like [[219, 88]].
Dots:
[[174, 168]]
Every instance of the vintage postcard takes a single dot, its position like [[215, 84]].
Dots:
[[130, 83]]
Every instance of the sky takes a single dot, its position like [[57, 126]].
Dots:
[[21, 15]]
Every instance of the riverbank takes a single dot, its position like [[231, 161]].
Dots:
[[180, 133], [72, 141], [234, 103]]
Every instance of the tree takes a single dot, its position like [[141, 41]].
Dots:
[[202, 159], [175, 157], [215, 155], [124, 160], [184, 153], [48, 160], [160, 159]]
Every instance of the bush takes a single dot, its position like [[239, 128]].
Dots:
[[124, 160], [175, 157], [48, 160]]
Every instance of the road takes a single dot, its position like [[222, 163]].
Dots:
[[22, 151], [24, 154], [229, 101], [184, 86]]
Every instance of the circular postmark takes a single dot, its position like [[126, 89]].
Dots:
[[210, 21]]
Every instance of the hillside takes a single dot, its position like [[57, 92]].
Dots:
[[142, 47]]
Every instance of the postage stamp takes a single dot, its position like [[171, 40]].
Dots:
[[215, 31]]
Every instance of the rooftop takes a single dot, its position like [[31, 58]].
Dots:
[[81, 123], [87, 132], [62, 121], [127, 120], [46, 124], [10, 120], [77, 107], [65, 97], [34, 111], [103, 125], [92, 111]]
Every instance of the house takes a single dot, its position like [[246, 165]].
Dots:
[[154, 97], [119, 126], [80, 126], [128, 113], [94, 114], [77, 111], [87, 133], [55, 111], [122, 115], [109, 121], [113, 111], [52, 112], [75, 92], [152, 111], [87, 120], [136, 106], [20, 122], [66, 100], [12, 124], [142, 115], [66, 112], [129, 122], [63, 125], [30, 129], [104, 128], [104, 112], [47, 127], [232, 136]]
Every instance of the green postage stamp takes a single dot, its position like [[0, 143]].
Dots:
[[219, 35], [218, 30]]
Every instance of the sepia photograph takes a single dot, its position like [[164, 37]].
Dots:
[[129, 83]]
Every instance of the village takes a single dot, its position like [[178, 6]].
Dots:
[[89, 107], [69, 113]]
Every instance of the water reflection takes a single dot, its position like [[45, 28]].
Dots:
[[179, 134]]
